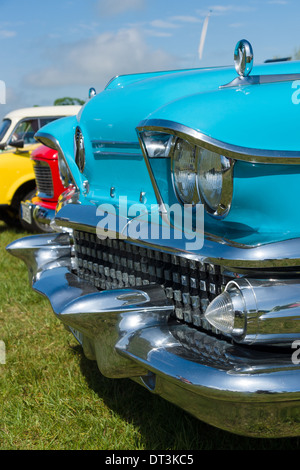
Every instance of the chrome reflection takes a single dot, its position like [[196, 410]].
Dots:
[[131, 334]]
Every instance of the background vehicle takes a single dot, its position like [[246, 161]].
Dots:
[[37, 213], [16, 170]]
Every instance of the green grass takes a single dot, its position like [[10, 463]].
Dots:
[[53, 398]]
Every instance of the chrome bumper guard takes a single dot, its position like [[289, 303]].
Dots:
[[130, 334], [43, 216]]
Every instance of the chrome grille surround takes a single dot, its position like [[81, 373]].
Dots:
[[43, 178], [112, 264]]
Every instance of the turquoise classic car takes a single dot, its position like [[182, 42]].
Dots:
[[177, 254]]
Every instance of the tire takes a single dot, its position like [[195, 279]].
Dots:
[[10, 218]]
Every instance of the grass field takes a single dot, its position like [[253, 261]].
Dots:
[[52, 398]]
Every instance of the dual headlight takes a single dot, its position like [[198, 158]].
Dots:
[[199, 175]]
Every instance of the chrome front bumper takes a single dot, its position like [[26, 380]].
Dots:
[[130, 334]]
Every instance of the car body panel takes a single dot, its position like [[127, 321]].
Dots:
[[16, 169], [251, 220]]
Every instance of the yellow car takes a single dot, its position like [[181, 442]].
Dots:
[[17, 178]]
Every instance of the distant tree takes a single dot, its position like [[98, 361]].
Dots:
[[68, 101], [296, 55]]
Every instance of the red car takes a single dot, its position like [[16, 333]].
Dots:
[[39, 211]]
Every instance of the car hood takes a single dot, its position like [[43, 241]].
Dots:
[[246, 116]]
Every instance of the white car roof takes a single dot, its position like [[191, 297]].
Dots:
[[42, 111]]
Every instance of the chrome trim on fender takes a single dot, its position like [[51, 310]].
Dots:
[[261, 79], [228, 150], [115, 144], [48, 140], [104, 148], [157, 193], [216, 250], [128, 333], [51, 142]]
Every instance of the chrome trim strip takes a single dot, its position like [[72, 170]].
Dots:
[[106, 144], [261, 79], [203, 375], [215, 250], [157, 193], [112, 144], [48, 140], [228, 150], [117, 154]]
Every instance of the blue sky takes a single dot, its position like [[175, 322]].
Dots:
[[49, 50]]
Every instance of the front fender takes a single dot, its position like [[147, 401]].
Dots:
[[59, 135]]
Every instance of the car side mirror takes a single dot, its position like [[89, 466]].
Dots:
[[3, 146], [17, 143]]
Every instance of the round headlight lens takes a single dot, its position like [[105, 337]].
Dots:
[[211, 167], [184, 172]]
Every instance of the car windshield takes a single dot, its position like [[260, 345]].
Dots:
[[3, 127]]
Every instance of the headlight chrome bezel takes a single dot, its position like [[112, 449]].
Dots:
[[176, 136], [64, 171]]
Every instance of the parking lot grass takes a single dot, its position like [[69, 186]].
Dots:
[[53, 398]]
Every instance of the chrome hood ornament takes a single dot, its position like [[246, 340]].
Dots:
[[243, 63], [243, 58]]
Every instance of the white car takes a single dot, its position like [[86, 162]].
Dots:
[[32, 119]]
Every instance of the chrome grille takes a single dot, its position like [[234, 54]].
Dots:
[[43, 178], [111, 264]]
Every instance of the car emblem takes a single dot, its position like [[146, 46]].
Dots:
[[243, 58]]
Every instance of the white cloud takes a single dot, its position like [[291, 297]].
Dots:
[[163, 24], [157, 34], [116, 7], [278, 2], [217, 10], [168, 25], [96, 60], [186, 19], [237, 25], [6, 33]]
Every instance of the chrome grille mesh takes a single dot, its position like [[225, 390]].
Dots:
[[43, 178], [111, 264]]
